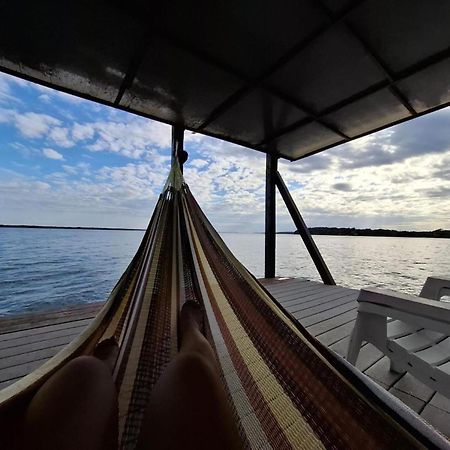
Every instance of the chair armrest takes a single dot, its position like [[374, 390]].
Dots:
[[435, 288], [411, 304]]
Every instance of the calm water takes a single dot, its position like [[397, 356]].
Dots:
[[42, 268]]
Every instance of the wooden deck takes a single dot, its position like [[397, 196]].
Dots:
[[327, 312]]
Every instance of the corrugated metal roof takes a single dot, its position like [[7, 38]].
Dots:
[[292, 77]]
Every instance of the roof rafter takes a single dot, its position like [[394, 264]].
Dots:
[[134, 66], [366, 133], [421, 65], [382, 66], [281, 62]]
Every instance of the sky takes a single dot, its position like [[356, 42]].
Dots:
[[66, 161]]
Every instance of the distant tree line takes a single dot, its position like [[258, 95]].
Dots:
[[54, 227], [334, 231]]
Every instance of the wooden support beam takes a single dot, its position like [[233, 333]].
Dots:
[[177, 145], [270, 239], [304, 232]]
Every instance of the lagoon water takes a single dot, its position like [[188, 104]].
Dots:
[[51, 268]]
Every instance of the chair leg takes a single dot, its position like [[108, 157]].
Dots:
[[356, 340], [395, 367], [371, 328]]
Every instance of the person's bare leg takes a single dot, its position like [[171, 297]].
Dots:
[[188, 408], [107, 352], [75, 409], [192, 339]]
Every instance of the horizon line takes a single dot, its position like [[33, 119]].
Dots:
[[63, 227]]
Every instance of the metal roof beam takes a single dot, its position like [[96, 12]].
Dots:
[[129, 110], [421, 65], [282, 61], [382, 66], [134, 66], [366, 133]]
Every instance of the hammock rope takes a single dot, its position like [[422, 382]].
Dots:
[[287, 390]]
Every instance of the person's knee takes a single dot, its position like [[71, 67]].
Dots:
[[83, 376], [86, 372], [78, 398], [88, 367], [194, 364]]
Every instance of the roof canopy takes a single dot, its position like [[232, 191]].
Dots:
[[292, 77]]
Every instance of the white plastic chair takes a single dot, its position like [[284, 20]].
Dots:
[[412, 331]]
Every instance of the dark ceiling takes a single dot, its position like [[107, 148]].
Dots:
[[292, 77]]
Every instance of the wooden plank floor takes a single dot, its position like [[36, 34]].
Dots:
[[27, 341], [327, 312]]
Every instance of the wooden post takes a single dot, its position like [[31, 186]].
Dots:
[[177, 144], [304, 232], [270, 238]]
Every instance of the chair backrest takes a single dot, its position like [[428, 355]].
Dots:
[[435, 288]]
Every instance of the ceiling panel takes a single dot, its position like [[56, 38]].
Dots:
[[256, 117], [404, 32], [368, 113], [338, 5], [332, 68], [249, 70], [428, 88], [249, 36], [177, 86], [304, 140], [57, 42]]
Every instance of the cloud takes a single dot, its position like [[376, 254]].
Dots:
[[198, 163], [134, 139], [398, 177], [442, 192], [53, 94], [10, 80], [45, 98], [346, 187], [60, 136], [6, 95], [33, 125], [230, 187], [4, 85], [442, 169], [71, 170], [136, 180], [6, 116], [425, 135], [228, 183], [82, 132], [429, 134], [110, 196], [7, 84], [321, 161], [52, 154], [376, 197], [80, 169]]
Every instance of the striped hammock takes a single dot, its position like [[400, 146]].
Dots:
[[285, 388]]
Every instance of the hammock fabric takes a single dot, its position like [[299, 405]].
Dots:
[[285, 388]]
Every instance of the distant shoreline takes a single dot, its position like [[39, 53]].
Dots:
[[72, 228], [334, 231], [328, 231]]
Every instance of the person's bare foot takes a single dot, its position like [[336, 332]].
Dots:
[[192, 334], [191, 317], [107, 351]]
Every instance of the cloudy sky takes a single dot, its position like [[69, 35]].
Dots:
[[67, 161]]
